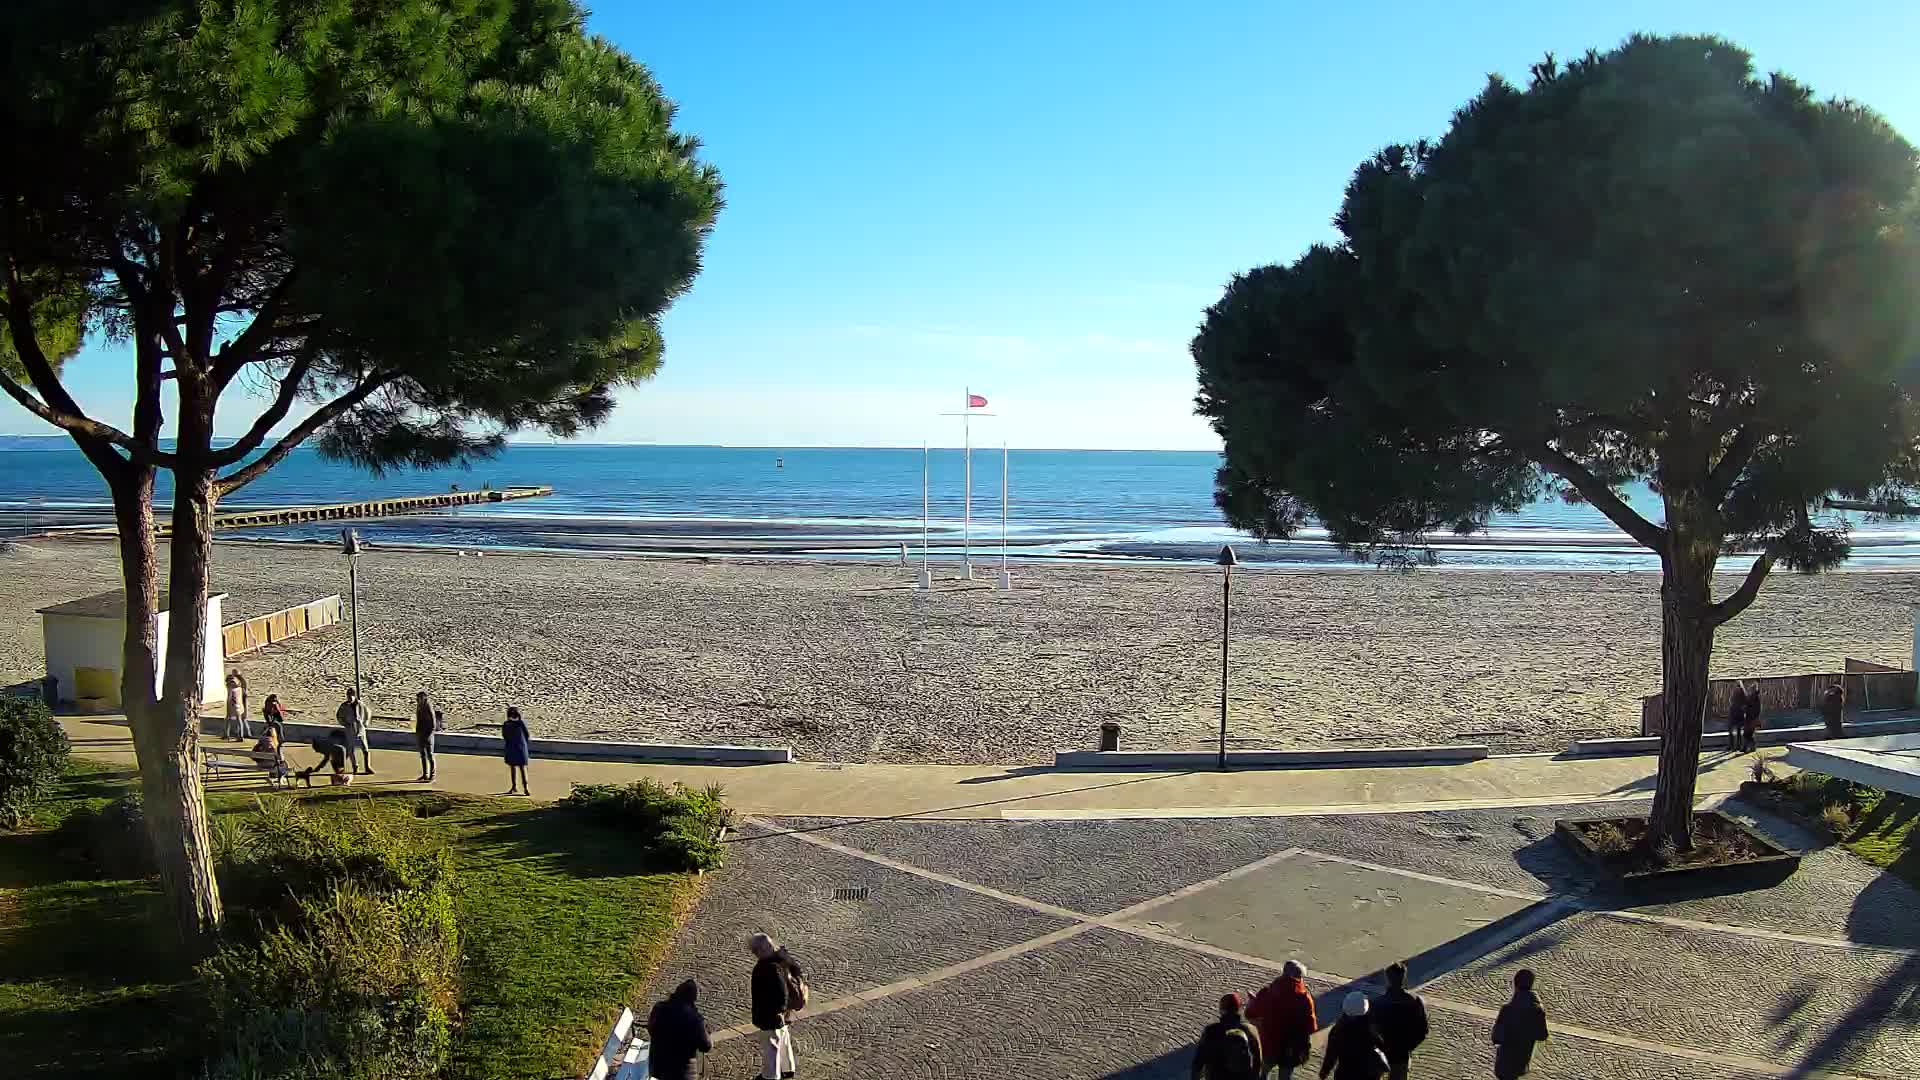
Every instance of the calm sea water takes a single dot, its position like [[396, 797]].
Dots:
[[1065, 503]]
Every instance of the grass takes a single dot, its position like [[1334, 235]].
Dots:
[[1884, 833], [560, 924]]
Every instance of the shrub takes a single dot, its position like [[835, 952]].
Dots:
[[1837, 818], [677, 823], [341, 955], [33, 754], [112, 837], [1608, 839]]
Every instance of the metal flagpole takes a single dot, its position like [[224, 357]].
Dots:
[[926, 509], [966, 434], [1006, 579]]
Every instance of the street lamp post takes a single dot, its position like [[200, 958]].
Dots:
[[1226, 560], [350, 544]]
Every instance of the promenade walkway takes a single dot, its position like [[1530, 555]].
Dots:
[[814, 789]]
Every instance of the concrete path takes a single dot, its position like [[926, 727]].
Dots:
[[813, 789]]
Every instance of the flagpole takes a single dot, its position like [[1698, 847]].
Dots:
[[1006, 579], [926, 509], [966, 434]]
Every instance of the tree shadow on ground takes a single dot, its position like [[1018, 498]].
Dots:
[[1647, 783], [561, 839]]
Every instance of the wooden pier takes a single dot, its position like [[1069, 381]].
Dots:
[[399, 504], [1892, 509]]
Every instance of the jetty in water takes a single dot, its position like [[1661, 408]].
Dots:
[[1891, 509], [366, 508]]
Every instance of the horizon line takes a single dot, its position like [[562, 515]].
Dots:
[[62, 438]]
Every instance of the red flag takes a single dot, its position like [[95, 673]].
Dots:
[[975, 401]]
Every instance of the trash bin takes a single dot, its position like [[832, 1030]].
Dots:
[[50, 691], [1109, 736]]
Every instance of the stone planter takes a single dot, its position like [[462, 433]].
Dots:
[[1744, 853]]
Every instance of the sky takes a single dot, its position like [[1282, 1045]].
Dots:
[[1037, 201]]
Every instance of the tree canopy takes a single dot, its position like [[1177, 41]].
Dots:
[[1646, 265]]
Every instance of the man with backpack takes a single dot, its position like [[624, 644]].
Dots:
[[779, 989], [1229, 1047], [1354, 1051], [1401, 1019]]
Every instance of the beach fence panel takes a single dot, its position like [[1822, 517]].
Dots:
[[238, 639], [1867, 691]]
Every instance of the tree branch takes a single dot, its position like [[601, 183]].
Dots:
[[1743, 597], [74, 423], [320, 418], [1739, 452], [276, 412], [54, 405], [1648, 534], [238, 353]]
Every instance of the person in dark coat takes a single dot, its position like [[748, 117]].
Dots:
[[1229, 1048], [1750, 730], [1282, 1012], [1521, 1024], [273, 716], [1736, 717], [1401, 1019], [772, 970], [517, 744], [677, 1034], [1833, 709], [424, 725], [1354, 1051]]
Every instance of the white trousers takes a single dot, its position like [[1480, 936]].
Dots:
[[776, 1052]]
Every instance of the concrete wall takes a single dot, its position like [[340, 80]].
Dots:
[[1354, 757], [299, 733]]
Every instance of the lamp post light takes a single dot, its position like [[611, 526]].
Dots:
[[1226, 560], [350, 545]]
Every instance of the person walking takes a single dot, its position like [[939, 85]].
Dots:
[[425, 723], [237, 728], [1833, 709], [677, 1034], [1750, 730], [353, 718], [1229, 1048], [517, 745], [1354, 1051], [779, 988], [1282, 1012], [1736, 716], [274, 717], [1521, 1024], [1401, 1019]]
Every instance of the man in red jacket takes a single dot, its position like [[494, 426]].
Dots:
[[1282, 1011]]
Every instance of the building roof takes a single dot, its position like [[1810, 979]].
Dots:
[[1889, 762], [106, 605]]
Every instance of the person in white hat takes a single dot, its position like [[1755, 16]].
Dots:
[[1354, 1050]]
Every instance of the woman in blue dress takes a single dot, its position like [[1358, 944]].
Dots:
[[518, 742]]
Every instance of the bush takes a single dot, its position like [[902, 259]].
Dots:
[[1837, 818], [1608, 839], [677, 823], [343, 964], [33, 754], [112, 837]]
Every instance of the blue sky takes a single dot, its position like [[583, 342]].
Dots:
[[1038, 200]]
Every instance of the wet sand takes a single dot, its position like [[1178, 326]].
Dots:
[[846, 661]]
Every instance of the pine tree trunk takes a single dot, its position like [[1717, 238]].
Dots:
[[166, 735], [1686, 655]]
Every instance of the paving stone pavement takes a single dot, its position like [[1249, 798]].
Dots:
[[1099, 947]]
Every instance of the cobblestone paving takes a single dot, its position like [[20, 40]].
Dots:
[[1763, 999], [1108, 1003]]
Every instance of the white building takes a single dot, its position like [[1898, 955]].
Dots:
[[84, 642]]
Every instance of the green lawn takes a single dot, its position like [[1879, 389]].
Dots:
[[559, 920], [1885, 835]]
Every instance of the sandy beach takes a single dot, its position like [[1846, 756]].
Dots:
[[846, 661]]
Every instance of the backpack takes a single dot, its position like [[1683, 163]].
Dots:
[[796, 987], [1237, 1058]]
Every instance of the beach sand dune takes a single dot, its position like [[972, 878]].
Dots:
[[846, 661]]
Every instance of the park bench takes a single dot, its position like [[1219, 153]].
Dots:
[[624, 1055], [225, 760]]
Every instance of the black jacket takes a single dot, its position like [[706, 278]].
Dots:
[[1354, 1050], [1521, 1024], [770, 990], [678, 1034], [1401, 1019], [1207, 1057]]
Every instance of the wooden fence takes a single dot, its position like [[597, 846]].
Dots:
[[1867, 691], [244, 637]]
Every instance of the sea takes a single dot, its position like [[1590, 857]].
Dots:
[[1128, 506]]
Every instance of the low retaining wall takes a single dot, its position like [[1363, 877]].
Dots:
[[1717, 740], [1866, 690], [1267, 759], [467, 742]]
